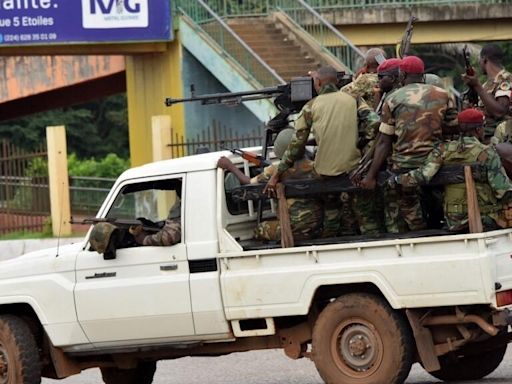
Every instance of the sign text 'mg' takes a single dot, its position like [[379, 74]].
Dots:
[[106, 6], [113, 14]]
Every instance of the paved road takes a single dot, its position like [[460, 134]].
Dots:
[[262, 367]]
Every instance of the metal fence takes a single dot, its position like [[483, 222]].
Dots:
[[214, 138], [87, 194], [24, 193]]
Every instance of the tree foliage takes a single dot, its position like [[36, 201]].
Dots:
[[94, 129]]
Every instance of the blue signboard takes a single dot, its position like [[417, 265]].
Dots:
[[30, 22]]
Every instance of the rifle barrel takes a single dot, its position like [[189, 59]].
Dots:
[[215, 98]]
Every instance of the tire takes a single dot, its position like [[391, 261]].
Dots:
[[359, 339], [142, 374], [472, 367], [19, 355]]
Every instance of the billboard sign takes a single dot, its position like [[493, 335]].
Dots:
[[31, 22]]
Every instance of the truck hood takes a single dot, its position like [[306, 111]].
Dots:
[[49, 260]]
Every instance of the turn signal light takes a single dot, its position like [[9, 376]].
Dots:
[[504, 298]]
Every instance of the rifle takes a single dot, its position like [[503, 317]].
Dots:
[[147, 225], [470, 94], [291, 96], [405, 43], [251, 157]]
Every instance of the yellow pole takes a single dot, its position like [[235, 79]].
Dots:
[[161, 130], [58, 180]]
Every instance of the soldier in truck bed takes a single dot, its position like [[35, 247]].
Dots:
[[495, 94], [494, 195], [306, 215]]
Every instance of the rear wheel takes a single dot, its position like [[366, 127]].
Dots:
[[359, 339], [142, 374], [473, 367], [19, 355]]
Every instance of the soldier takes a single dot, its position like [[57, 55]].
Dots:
[[364, 84], [305, 214], [169, 234], [496, 93], [413, 115], [333, 118], [493, 194], [387, 74]]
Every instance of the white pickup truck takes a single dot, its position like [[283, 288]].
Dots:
[[363, 310]]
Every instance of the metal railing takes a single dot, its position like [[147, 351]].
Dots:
[[330, 38], [214, 138], [347, 4], [211, 23]]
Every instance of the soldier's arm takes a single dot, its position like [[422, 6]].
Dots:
[[297, 147], [170, 234], [367, 120], [425, 173], [496, 175]]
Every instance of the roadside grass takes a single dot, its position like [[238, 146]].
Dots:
[[24, 235]]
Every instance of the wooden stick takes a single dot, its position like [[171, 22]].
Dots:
[[284, 218], [474, 218]]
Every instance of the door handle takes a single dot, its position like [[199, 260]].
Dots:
[[169, 267], [101, 275]]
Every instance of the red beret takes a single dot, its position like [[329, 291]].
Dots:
[[412, 64], [388, 65], [471, 116]]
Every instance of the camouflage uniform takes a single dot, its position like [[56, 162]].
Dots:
[[305, 214], [491, 195], [500, 86], [170, 233], [337, 128], [503, 133], [415, 114], [363, 87]]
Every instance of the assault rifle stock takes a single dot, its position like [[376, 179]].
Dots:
[[251, 157]]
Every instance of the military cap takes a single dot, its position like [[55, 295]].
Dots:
[[389, 65], [101, 236], [471, 116], [412, 64], [282, 140]]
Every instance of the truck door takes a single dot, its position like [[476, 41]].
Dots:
[[143, 293]]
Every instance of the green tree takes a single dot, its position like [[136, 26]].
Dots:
[[93, 129]]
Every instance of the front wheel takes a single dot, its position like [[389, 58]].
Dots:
[[360, 339], [19, 355], [142, 374], [471, 367]]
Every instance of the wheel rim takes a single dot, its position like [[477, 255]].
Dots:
[[4, 366], [357, 348]]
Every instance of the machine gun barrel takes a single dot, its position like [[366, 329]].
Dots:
[[230, 97]]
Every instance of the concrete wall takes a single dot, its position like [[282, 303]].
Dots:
[[14, 248], [199, 117]]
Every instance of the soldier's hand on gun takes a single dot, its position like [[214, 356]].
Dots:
[[270, 188], [470, 81], [368, 183], [135, 230]]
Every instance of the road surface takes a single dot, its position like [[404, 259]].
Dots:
[[262, 367]]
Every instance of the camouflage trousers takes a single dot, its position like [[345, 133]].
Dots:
[[353, 213], [402, 211], [306, 217]]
